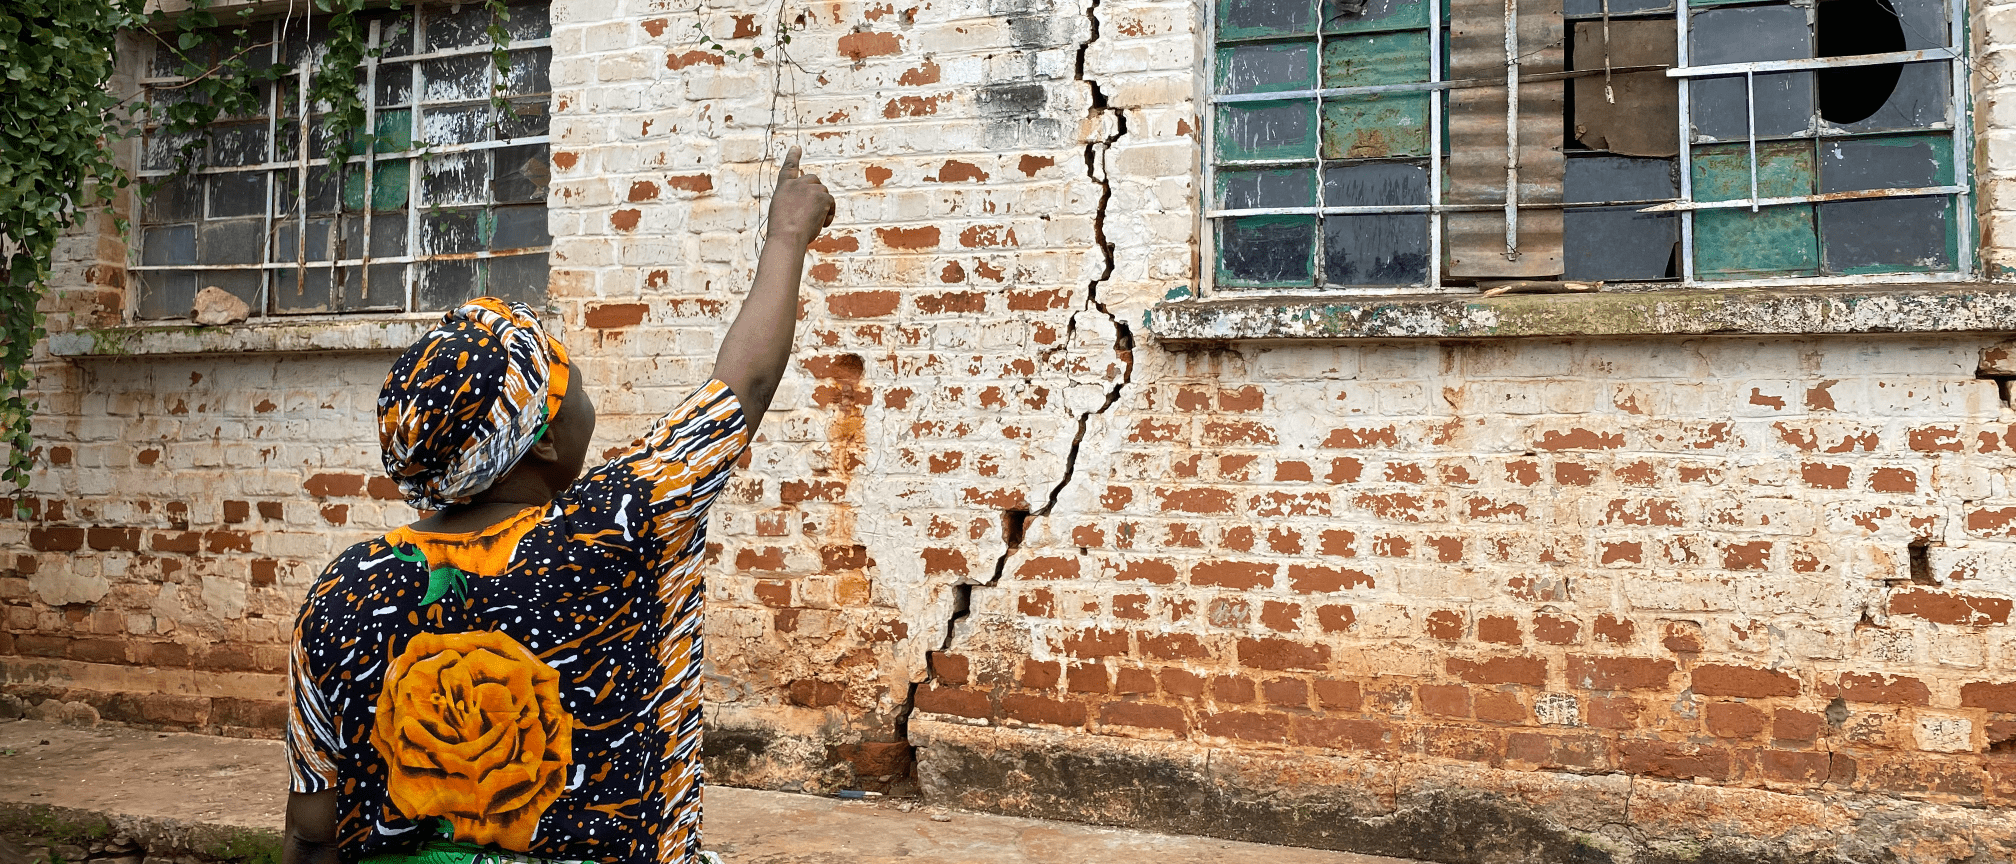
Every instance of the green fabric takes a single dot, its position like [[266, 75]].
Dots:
[[451, 852]]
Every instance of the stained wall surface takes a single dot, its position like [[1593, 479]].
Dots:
[[1620, 596]]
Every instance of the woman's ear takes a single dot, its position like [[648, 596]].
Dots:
[[543, 449]]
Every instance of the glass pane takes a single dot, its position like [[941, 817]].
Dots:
[[1901, 162], [530, 19], [1594, 8], [466, 124], [162, 152], [300, 292], [1266, 68], [444, 284], [242, 284], [389, 187], [237, 144], [287, 234], [165, 293], [522, 174], [1267, 130], [1383, 58], [518, 277], [455, 178], [1888, 235], [1375, 249], [1593, 179], [1722, 171], [1739, 244], [240, 241], [385, 290], [1242, 19], [171, 244], [455, 79], [395, 84], [1619, 244], [1357, 16], [520, 227], [526, 118], [174, 200], [1374, 184], [1267, 251], [451, 232], [398, 33], [394, 130], [527, 74], [1374, 127], [456, 26], [1266, 187]]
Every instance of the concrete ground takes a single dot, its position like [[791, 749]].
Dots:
[[227, 782]]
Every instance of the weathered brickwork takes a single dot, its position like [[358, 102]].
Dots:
[[991, 516]]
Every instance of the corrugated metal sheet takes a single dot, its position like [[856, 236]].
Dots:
[[1477, 140]]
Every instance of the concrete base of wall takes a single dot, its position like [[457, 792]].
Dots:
[[1453, 813]]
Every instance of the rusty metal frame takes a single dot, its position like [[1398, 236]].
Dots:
[[417, 151]]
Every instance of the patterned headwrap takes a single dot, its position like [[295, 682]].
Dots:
[[468, 400]]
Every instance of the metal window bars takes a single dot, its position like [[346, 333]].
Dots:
[[1685, 205], [286, 105]]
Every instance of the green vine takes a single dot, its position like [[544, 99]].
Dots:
[[60, 123]]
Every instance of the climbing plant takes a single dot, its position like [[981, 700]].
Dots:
[[60, 123]]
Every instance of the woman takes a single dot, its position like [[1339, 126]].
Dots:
[[517, 675]]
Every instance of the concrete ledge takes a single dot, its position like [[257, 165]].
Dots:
[[1930, 308], [1435, 810], [266, 337]]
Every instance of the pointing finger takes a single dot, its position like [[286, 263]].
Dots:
[[789, 169]]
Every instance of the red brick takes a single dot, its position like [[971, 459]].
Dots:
[[1177, 682], [1048, 567], [1129, 680], [1501, 629], [1466, 743], [1994, 697], [1734, 720], [1344, 734], [1195, 500], [1039, 709], [174, 710], [1791, 725], [1620, 673], [1900, 690], [1094, 642], [1335, 619], [248, 713], [1531, 671], [1326, 580], [953, 700], [1445, 700], [98, 650], [1445, 625], [1281, 654], [1173, 646], [1556, 630], [182, 542], [1914, 775], [1153, 572], [1087, 678], [1499, 707], [1142, 715], [335, 485], [819, 694], [940, 560], [1237, 575], [878, 758], [1681, 761], [55, 538], [1942, 607], [1286, 692], [949, 668], [1615, 630], [42, 645], [1582, 751], [862, 304], [1801, 767], [1247, 726], [773, 592], [240, 511], [1232, 689], [607, 316], [1612, 712], [1746, 682]]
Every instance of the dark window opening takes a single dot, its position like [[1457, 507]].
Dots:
[[1847, 28]]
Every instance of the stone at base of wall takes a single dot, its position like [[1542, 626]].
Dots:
[[1438, 812], [64, 835]]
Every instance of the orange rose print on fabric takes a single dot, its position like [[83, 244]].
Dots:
[[472, 729]]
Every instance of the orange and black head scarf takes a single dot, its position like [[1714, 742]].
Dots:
[[468, 400]]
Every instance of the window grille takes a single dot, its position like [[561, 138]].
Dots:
[[1367, 146], [444, 199]]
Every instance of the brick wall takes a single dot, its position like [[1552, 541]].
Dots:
[[992, 516]]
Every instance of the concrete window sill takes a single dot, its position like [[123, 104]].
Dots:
[[1916, 308], [261, 337]]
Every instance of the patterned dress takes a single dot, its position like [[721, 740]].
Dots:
[[532, 687]]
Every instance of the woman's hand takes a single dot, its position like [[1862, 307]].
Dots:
[[801, 206]]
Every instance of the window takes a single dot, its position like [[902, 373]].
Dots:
[[445, 201], [1362, 146]]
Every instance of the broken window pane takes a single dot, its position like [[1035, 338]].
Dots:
[[1618, 244], [1381, 58], [451, 232], [466, 124], [521, 227], [1374, 184], [1739, 244], [527, 75], [1876, 98], [524, 119], [1642, 119], [1783, 100], [462, 26], [1375, 249], [1359, 16], [1374, 127], [461, 78], [1266, 68], [1266, 187], [1267, 251], [455, 178], [1267, 130], [530, 19], [1245, 19], [521, 174]]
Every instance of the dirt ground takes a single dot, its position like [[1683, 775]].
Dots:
[[175, 778]]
